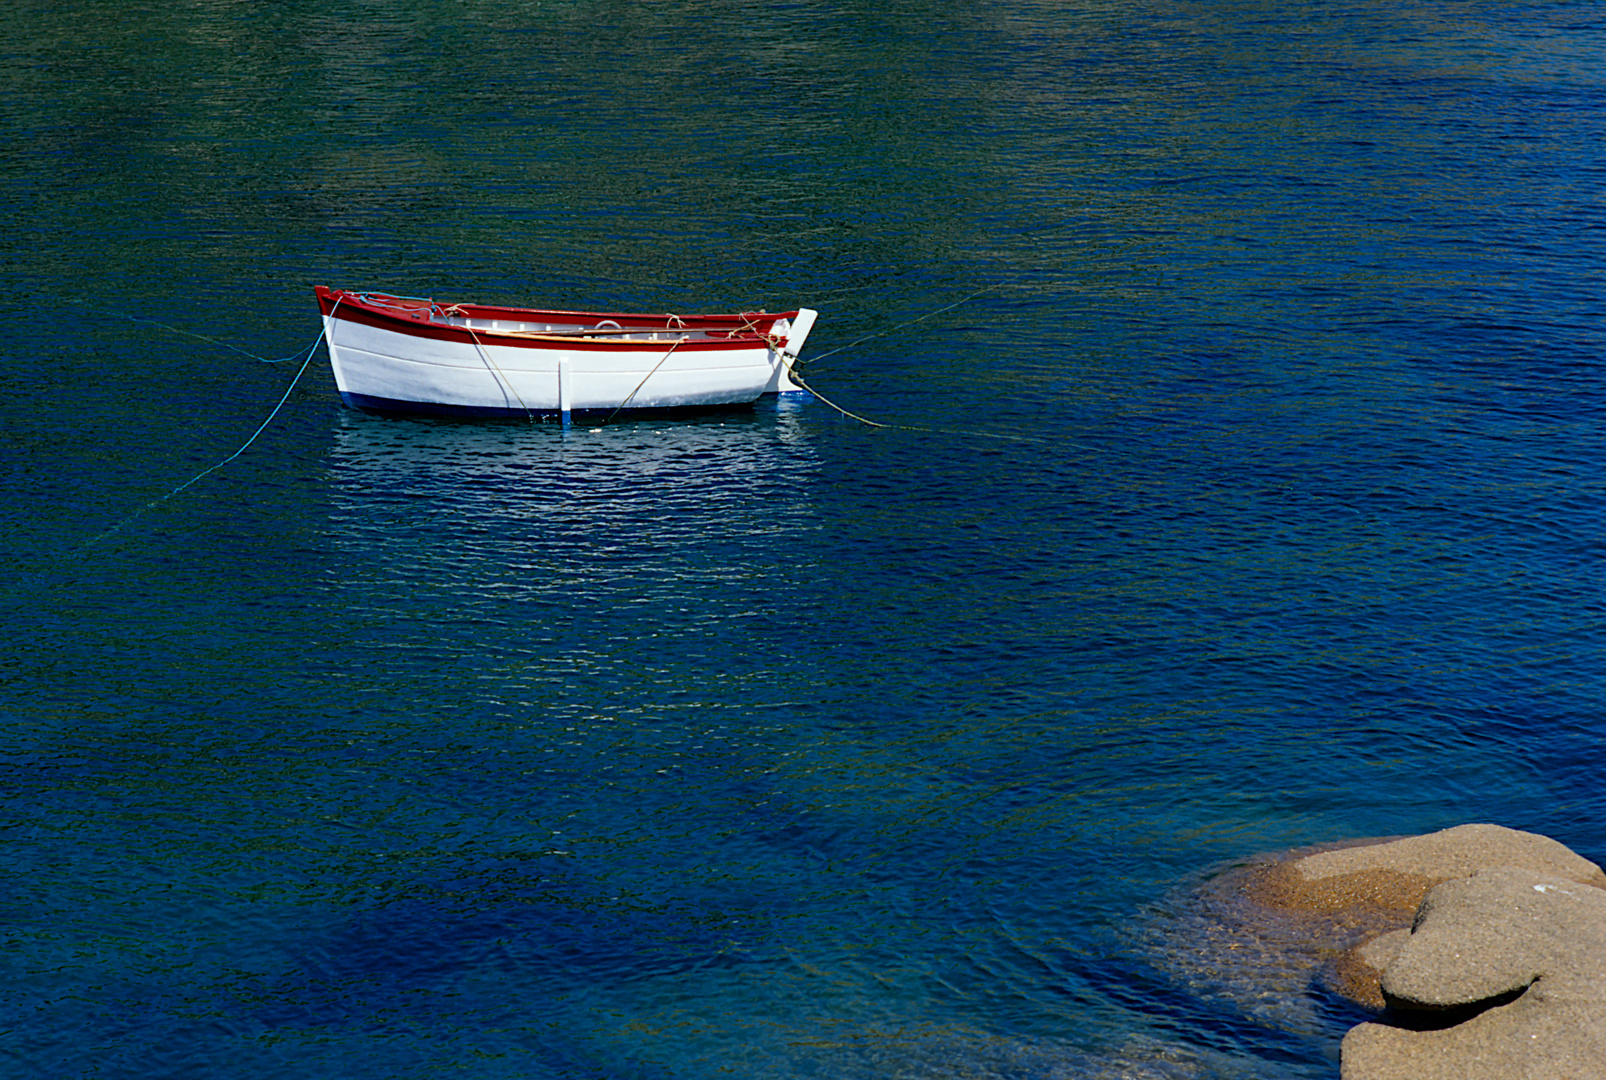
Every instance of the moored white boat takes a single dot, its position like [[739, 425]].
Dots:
[[394, 354]]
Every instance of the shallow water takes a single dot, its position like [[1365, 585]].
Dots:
[[1243, 368]]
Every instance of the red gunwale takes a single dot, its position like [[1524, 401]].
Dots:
[[411, 317]]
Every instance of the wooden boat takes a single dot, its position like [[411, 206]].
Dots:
[[394, 354]]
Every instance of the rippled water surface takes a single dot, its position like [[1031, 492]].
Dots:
[[1242, 371]]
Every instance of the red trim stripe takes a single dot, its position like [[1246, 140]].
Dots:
[[411, 317]]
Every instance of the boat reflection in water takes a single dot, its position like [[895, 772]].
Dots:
[[588, 513], [568, 647]]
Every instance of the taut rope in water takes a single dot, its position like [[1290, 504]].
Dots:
[[791, 373], [892, 330], [906, 325], [192, 481], [191, 334]]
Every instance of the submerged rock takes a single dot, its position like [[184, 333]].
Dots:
[[1380, 885]]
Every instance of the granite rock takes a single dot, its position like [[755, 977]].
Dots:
[[1478, 991], [1506, 972], [1377, 886], [1397, 874]]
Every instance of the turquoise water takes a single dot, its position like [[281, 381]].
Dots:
[[1247, 498]]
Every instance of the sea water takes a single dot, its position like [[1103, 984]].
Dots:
[[1239, 489]]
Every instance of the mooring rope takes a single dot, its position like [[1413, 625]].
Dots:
[[192, 481], [911, 322], [632, 395], [774, 342], [191, 333], [792, 372], [528, 415]]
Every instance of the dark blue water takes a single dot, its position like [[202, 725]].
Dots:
[[1249, 497]]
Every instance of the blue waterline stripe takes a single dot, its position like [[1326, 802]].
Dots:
[[434, 410]]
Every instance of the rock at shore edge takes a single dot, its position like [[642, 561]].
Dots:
[[1486, 957], [1387, 881], [1506, 970]]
